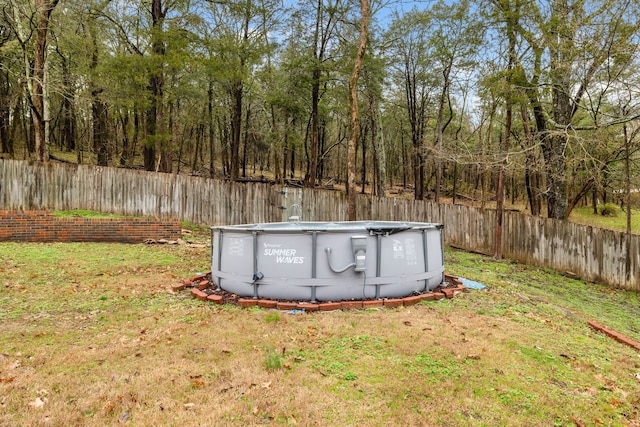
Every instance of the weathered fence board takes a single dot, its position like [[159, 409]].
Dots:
[[593, 254]]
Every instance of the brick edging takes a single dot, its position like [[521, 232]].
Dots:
[[41, 226], [194, 284]]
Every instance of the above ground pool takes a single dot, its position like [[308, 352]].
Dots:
[[328, 261]]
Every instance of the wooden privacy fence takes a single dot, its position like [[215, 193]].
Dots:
[[592, 254]]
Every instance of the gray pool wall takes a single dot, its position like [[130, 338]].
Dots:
[[317, 261]]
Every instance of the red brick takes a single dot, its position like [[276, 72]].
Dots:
[[438, 295], [428, 297], [329, 306], [246, 302], [198, 278], [393, 302], [198, 294], [308, 307], [351, 305], [412, 300], [180, 287], [217, 299], [374, 303], [452, 292], [448, 292], [267, 303], [203, 285], [286, 306]]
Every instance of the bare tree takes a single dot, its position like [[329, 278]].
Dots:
[[355, 116], [38, 93]]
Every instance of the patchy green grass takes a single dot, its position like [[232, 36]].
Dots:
[[92, 335], [584, 215], [84, 213]]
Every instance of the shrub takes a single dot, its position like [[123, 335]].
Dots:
[[608, 209]]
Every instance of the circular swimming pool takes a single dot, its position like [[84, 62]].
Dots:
[[328, 261]]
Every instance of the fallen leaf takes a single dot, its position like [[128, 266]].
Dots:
[[109, 407], [266, 385], [38, 403], [125, 416], [189, 406], [407, 323], [578, 422], [615, 402]]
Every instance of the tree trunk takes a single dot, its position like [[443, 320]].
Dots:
[[554, 146], [500, 187], [236, 124], [126, 144], [363, 171], [45, 8], [7, 142], [315, 129], [627, 191], [99, 115], [378, 149], [99, 111], [245, 143], [532, 176], [156, 89], [210, 124], [405, 161], [67, 131], [224, 132], [355, 118], [440, 128]]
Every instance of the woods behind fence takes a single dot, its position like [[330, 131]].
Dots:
[[590, 253]]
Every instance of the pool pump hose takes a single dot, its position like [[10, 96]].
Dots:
[[359, 247]]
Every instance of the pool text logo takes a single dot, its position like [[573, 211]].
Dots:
[[282, 255]]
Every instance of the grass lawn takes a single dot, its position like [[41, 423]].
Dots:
[[618, 222], [92, 335]]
